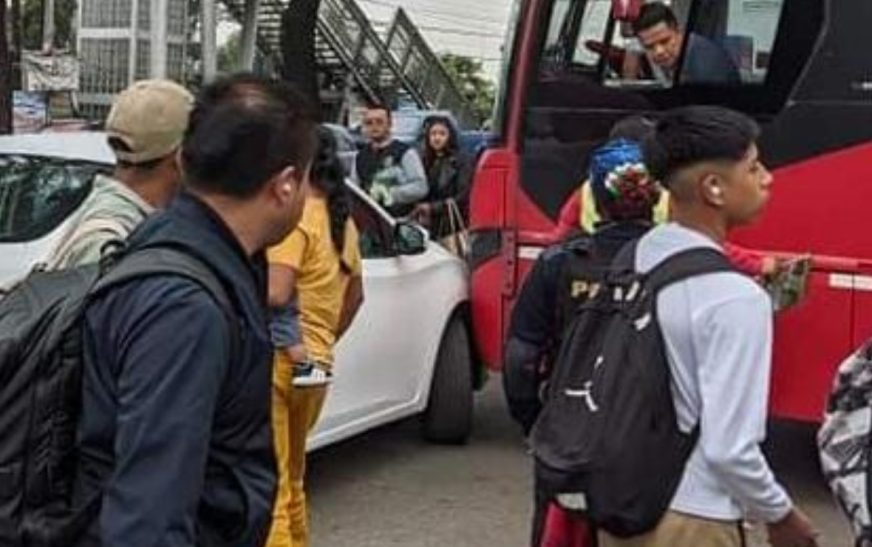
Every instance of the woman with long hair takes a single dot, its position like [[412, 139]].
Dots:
[[448, 177], [319, 267]]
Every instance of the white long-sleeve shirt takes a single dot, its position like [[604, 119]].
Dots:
[[718, 333]]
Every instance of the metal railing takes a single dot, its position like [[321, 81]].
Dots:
[[401, 68], [426, 72]]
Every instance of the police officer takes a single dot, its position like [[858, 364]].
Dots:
[[567, 274]]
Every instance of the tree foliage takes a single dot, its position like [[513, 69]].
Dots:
[[228, 54], [468, 74]]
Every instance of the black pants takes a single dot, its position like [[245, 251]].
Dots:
[[541, 499]]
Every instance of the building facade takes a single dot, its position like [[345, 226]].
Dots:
[[120, 41]]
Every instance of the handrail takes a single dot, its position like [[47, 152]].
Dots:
[[425, 69], [380, 69], [371, 52]]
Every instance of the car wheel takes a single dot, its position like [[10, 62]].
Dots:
[[448, 418]]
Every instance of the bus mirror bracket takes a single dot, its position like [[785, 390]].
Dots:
[[626, 10]]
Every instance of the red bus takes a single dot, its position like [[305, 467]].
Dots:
[[806, 76]]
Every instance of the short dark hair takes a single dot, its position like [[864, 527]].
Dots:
[[652, 14], [243, 130], [380, 106], [635, 127], [691, 135]]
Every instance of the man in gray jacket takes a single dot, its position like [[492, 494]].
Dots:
[[389, 170]]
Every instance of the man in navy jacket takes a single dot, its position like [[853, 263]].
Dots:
[[175, 432]]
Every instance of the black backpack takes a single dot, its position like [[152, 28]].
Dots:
[[41, 360], [607, 441]]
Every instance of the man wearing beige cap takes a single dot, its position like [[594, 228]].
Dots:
[[144, 129]]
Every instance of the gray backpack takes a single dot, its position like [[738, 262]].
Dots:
[[845, 441]]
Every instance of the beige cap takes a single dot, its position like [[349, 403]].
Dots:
[[150, 118]]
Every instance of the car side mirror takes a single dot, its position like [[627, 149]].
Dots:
[[409, 239]]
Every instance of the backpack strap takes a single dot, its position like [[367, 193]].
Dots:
[[687, 264], [165, 260], [397, 150], [625, 261]]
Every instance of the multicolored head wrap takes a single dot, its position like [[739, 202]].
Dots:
[[620, 182]]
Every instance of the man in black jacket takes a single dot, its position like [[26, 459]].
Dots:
[[175, 430]]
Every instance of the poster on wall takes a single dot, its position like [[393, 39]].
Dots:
[[49, 72], [29, 112]]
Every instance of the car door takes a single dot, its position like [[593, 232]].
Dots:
[[383, 363]]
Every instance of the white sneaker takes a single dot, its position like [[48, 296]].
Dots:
[[310, 375]]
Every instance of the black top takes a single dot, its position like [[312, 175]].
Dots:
[[448, 177]]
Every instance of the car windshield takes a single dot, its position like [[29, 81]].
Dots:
[[38, 193]]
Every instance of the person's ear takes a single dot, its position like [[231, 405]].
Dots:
[[712, 188], [289, 184]]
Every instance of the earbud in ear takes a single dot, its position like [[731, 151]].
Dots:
[[717, 191]]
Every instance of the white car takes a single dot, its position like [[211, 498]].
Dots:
[[408, 352]]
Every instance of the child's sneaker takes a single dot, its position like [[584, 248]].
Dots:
[[310, 375]]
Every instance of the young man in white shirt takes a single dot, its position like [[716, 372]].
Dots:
[[717, 330]]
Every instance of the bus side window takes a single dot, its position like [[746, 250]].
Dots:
[[724, 42], [744, 29]]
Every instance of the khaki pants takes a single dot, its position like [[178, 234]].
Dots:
[[679, 530], [294, 413]]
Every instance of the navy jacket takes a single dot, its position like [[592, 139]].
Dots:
[[174, 428]]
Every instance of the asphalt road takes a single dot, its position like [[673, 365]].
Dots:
[[389, 488]]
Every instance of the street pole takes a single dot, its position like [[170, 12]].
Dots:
[[16, 43], [158, 32], [5, 76], [249, 35], [208, 40], [48, 26], [299, 23]]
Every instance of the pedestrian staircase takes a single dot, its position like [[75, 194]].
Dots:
[[353, 58], [425, 71]]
